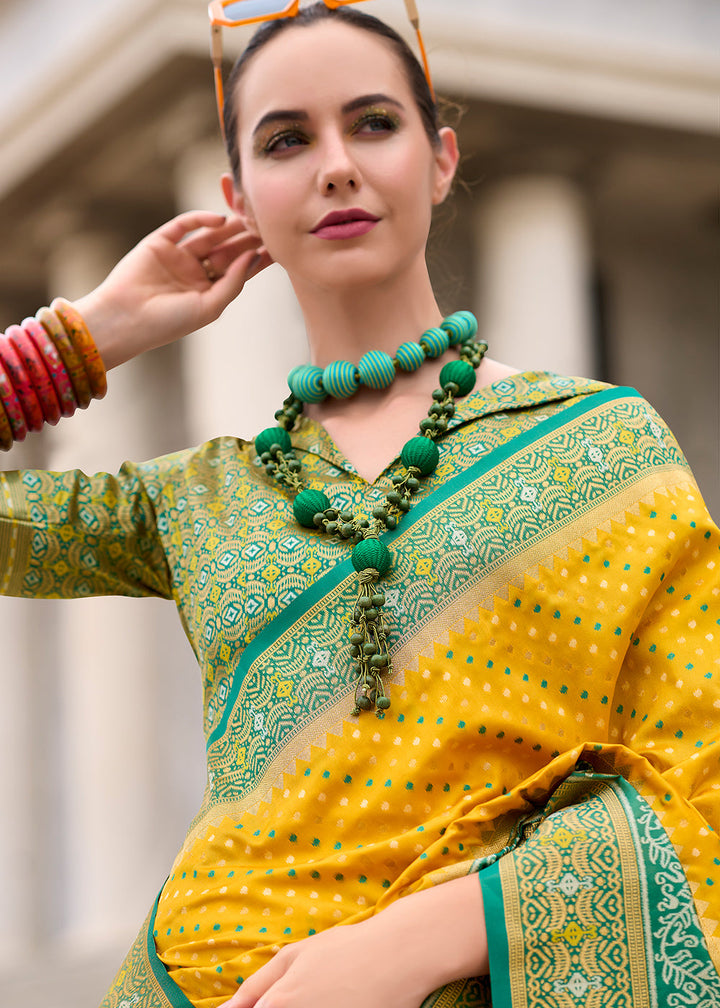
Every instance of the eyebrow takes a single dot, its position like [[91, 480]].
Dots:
[[299, 115]]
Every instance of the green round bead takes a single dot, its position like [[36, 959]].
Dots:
[[422, 454], [460, 326], [306, 383], [383, 703], [307, 504], [273, 436], [340, 379], [376, 370], [461, 374], [371, 554], [434, 342]]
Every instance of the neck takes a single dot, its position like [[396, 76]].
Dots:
[[343, 324]]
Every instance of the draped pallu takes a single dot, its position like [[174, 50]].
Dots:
[[555, 697]]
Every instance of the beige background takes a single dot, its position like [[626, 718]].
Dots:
[[584, 236]]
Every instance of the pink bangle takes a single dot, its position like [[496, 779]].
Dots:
[[22, 384], [6, 434], [55, 367], [84, 345], [42, 383], [12, 406], [56, 331]]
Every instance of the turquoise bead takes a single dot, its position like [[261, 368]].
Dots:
[[435, 342], [410, 356], [376, 370], [422, 454], [307, 504], [306, 383], [273, 436], [371, 554], [340, 379], [461, 373], [460, 326]]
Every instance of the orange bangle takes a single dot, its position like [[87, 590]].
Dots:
[[70, 358], [84, 344]]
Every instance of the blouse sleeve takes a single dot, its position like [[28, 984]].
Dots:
[[68, 535]]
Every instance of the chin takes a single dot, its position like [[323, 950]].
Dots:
[[357, 268]]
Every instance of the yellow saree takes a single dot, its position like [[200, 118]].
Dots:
[[555, 703]]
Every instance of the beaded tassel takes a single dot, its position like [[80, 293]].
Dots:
[[369, 646], [420, 456]]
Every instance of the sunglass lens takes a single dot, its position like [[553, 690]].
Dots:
[[246, 9]]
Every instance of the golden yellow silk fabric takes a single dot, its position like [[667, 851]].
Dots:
[[554, 596]]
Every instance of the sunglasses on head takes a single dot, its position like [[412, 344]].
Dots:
[[233, 13]]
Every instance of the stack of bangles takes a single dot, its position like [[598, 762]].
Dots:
[[49, 366]]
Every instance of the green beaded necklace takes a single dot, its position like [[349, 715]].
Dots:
[[313, 509]]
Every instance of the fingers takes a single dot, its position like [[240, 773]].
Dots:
[[220, 258], [180, 226], [250, 995], [206, 240], [229, 285]]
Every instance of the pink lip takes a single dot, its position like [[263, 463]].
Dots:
[[342, 224]]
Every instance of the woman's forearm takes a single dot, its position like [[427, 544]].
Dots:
[[445, 928]]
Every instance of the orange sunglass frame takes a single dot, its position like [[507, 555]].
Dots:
[[218, 21]]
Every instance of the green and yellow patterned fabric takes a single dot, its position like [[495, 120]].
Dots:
[[555, 696]]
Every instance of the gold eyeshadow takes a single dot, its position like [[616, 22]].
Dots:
[[263, 142], [377, 112]]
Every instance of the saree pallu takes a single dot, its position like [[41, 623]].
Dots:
[[554, 728]]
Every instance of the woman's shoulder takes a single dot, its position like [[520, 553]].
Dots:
[[217, 460]]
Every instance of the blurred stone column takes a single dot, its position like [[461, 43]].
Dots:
[[27, 756], [235, 369], [106, 658], [535, 273]]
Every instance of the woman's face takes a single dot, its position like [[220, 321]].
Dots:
[[338, 175]]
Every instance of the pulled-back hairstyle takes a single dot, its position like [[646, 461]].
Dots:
[[345, 15]]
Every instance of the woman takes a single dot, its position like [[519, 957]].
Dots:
[[525, 791]]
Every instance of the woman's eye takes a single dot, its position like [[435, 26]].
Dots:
[[376, 122], [284, 141]]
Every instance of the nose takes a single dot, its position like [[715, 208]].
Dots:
[[338, 169]]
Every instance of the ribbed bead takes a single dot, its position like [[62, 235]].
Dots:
[[422, 453], [272, 436], [410, 356], [460, 327], [340, 379], [435, 342], [306, 383], [372, 554], [376, 369], [307, 504], [461, 373]]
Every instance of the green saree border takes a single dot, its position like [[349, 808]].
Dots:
[[344, 569], [169, 988], [497, 938], [666, 948]]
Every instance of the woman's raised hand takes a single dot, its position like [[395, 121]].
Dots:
[[179, 278]]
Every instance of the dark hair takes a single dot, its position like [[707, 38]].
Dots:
[[308, 16]]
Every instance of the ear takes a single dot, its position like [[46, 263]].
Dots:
[[237, 203], [447, 156]]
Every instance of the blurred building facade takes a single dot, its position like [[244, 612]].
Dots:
[[584, 235]]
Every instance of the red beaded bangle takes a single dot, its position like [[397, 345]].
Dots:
[[6, 434], [74, 366], [84, 344], [12, 406], [55, 367], [22, 384], [42, 383]]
